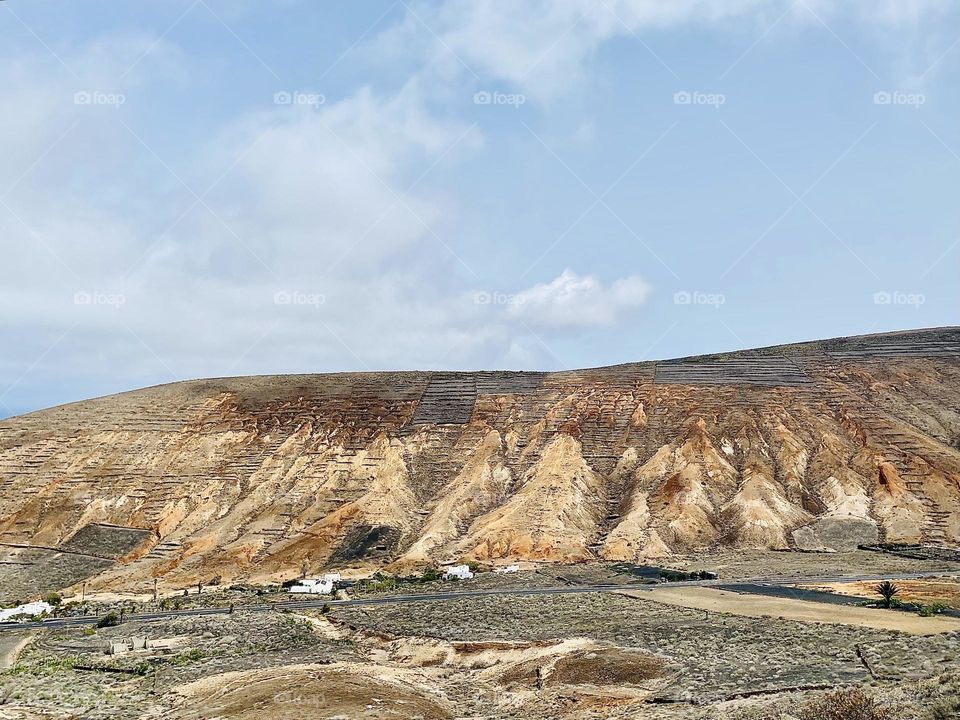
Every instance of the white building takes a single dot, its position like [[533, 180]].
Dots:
[[34, 608], [313, 587], [508, 569], [333, 577], [461, 572]]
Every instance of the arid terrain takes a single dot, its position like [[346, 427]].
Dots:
[[659, 651], [817, 446], [795, 477]]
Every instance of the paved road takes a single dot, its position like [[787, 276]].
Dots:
[[744, 585]]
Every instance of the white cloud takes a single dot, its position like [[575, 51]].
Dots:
[[320, 203], [543, 47], [892, 13], [324, 202], [573, 301], [315, 188]]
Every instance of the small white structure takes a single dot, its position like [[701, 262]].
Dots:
[[34, 608], [460, 572], [313, 586], [118, 647], [508, 569], [333, 577], [122, 646]]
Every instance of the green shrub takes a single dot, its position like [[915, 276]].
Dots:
[[194, 655], [378, 583], [111, 619], [46, 666], [679, 575], [53, 599], [931, 609]]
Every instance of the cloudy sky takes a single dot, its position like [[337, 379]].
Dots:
[[196, 188]]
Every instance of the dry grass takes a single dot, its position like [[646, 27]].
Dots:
[[845, 705], [611, 667]]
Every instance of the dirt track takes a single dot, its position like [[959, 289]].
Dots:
[[10, 647], [758, 606]]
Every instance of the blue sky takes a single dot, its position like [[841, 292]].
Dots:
[[211, 188]]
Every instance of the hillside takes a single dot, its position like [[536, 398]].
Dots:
[[814, 446]]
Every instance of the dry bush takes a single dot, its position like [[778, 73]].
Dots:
[[844, 705], [610, 667], [945, 710]]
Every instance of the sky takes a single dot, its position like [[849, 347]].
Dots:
[[210, 188]]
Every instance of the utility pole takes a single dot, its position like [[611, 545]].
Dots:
[[155, 591]]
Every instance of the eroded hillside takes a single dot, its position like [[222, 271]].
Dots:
[[814, 446]]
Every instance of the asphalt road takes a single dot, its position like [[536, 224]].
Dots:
[[743, 584]]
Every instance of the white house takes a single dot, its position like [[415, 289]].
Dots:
[[507, 569], [34, 608], [313, 586], [333, 577], [461, 572]]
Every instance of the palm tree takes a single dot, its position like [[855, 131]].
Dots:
[[887, 590]]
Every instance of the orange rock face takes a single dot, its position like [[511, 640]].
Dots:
[[817, 446]]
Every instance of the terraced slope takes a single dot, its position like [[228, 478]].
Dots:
[[813, 446]]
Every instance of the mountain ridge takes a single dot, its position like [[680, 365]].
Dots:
[[613, 366], [821, 445]]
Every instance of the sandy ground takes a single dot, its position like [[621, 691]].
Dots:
[[427, 678], [927, 592], [760, 606], [297, 691], [10, 646], [23, 712]]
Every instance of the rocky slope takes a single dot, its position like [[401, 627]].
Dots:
[[814, 446]]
